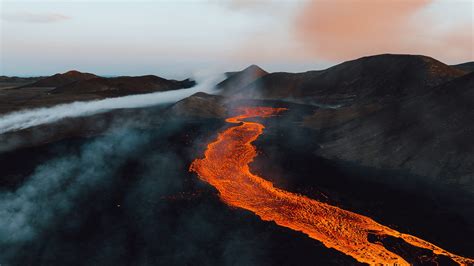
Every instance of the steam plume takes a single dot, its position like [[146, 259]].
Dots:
[[34, 117]]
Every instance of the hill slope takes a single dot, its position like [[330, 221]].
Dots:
[[240, 79], [201, 105], [429, 135], [62, 79], [373, 78], [123, 85]]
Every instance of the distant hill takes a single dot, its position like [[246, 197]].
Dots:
[[372, 78], [122, 85], [240, 79], [13, 82], [62, 79], [88, 89], [468, 66], [15, 79]]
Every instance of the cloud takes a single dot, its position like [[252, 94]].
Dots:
[[28, 17], [345, 29]]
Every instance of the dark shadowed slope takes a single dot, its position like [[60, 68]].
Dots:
[[62, 79], [199, 105], [428, 135], [468, 66], [373, 78], [240, 79], [123, 85]]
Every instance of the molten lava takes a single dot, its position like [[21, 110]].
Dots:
[[226, 167]]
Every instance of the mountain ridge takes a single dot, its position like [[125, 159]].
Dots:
[[61, 79], [123, 85], [240, 78], [371, 78]]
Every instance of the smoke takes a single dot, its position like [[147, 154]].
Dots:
[[34, 117], [115, 199], [56, 187], [56, 184]]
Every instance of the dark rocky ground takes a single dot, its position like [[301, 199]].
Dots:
[[114, 188], [142, 206], [145, 209]]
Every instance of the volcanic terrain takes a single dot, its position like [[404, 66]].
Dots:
[[369, 161], [76, 86]]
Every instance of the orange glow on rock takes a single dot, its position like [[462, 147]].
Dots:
[[225, 166]]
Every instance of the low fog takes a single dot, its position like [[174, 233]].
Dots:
[[34, 117]]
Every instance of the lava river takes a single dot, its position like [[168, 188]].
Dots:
[[226, 167]]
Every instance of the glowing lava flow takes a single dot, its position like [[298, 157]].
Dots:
[[226, 167]]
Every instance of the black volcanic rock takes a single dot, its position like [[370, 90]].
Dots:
[[428, 135], [63, 79], [123, 85], [414, 255], [237, 80], [373, 78], [468, 66]]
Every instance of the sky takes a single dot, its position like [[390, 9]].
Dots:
[[176, 39]]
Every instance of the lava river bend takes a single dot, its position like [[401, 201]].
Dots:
[[226, 167]]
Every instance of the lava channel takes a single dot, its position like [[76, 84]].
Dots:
[[226, 167]]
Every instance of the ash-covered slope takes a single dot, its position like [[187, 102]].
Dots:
[[123, 85], [199, 105], [428, 135], [237, 80], [61, 79], [372, 78]]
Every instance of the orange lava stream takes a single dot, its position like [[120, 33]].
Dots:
[[226, 167]]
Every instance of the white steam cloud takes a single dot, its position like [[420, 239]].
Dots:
[[34, 117]]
